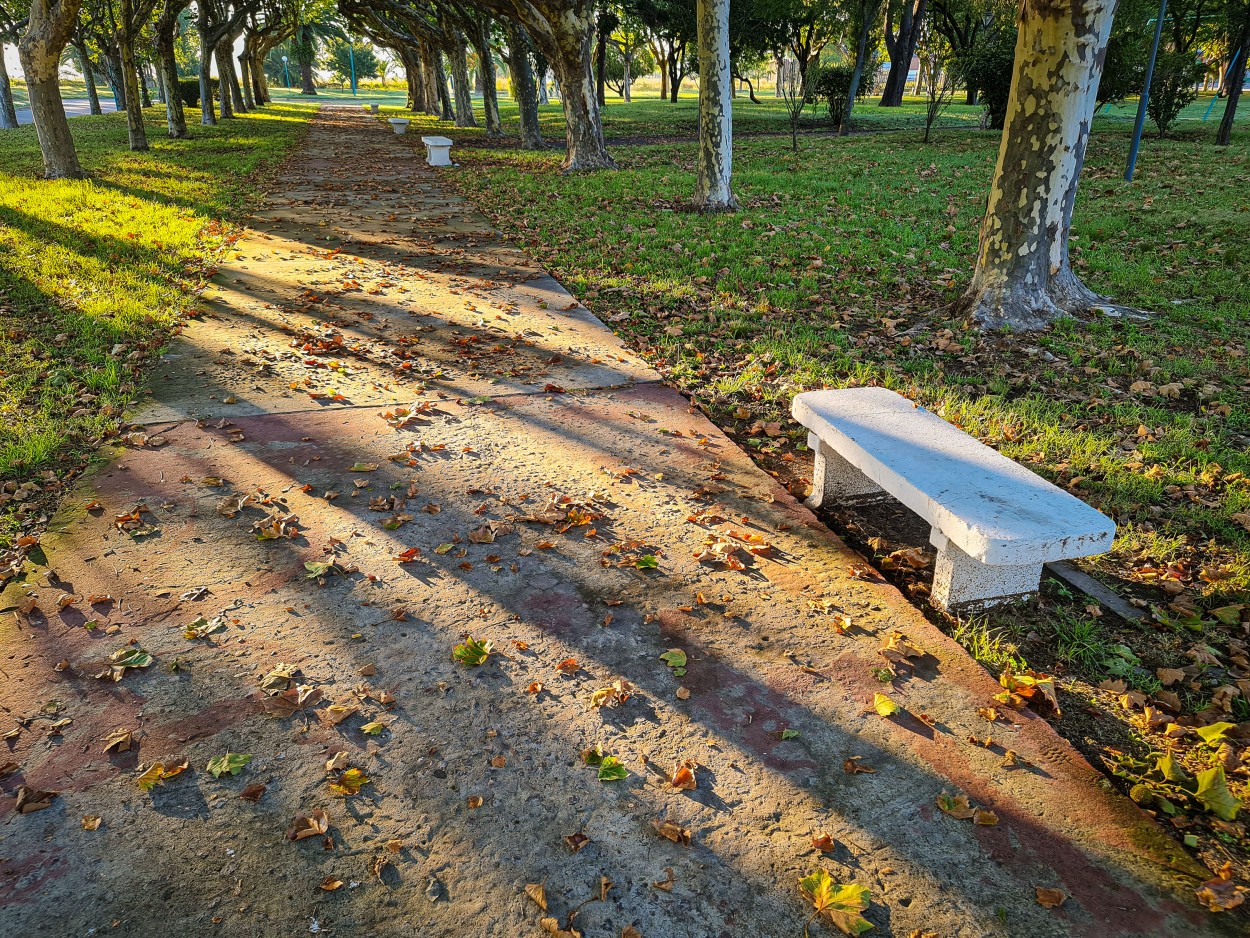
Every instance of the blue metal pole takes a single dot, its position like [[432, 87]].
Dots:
[[1145, 95], [286, 68], [351, 55], [1227, 75]]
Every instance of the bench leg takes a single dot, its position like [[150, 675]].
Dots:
[[836, 480], [961, 584]]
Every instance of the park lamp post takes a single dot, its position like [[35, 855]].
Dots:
[[287, 71]]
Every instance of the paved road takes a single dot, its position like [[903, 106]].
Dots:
[[75, 107]]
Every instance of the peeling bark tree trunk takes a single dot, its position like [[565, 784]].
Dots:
[[50, 25], [208, 116], [568, 48], [1238, 78], [460, 81], [245, 77], [713, 192], [1023, 278], [222, 56], [445, 110], [522, 76], [8, 113]]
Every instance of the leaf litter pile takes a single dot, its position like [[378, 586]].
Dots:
[[449, 641]]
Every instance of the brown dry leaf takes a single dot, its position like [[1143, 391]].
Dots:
[[33, 799], [552, 927], [629, 931], [535, 687], [898, 649], [1169, 676], [985, 817], [537, 892], [911, 558], [955, 805], [253, 792], [474, 802], [683, 693], [118, 741], [329, 884], [314, 824], [1221, 894], [667, 883], [673, 831], [499, 761], [576, 841], [91, 822], [852, 766], [823, 842], [337, 762], [1050, 898], [568, 666]]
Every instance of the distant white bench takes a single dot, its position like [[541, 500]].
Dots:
[[437, 151], [994, 522]]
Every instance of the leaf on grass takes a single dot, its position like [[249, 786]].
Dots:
[[840, 904], [1050, 898], [472, 652], [313, 824], [955, 805], [231, 762], [349, 782], [884, 705], [1214, 795], [1215, 733]]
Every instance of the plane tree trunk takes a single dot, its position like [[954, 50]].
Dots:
[[8, 113], [521, 73], [486, 75], [1023, 278], [713, 192], [167, 65], [48, 30], [460, 81]]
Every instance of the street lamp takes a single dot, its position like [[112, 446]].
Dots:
[[287, 71]]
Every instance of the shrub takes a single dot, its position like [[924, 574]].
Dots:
[[189, 91], [832, 83], [1173, 87], [1124, 68], [987, 67]]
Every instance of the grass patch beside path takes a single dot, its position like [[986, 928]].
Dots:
[[94, 273]]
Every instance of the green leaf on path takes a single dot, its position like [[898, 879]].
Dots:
[[840, 904], [364, 467], [789, 734], [231, 762], [318, 568], [472, 652], [611, 769], [674, 658], [647, 562]]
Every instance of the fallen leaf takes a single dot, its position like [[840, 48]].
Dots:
[[231, 763], [1050, 898], [667, 882], [1221, 894], [884, 705], [672, 831], [253, 792], [852, 766], [955, 805], [33, 799], [472, 652], [329, 884], [349, 782], [537, 892], [91, 822], [314, 824], [841, 905]]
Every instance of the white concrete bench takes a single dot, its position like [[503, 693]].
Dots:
[[993, 522], [437, 151]]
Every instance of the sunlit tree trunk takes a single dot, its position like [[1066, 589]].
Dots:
[[208, 115], [1023, 278], [245, 74], [306, 83], [715, 163], [487, 77], [166, 63], [567, 47], [222, 56], [88, 77], [50, 25], [521, 73]]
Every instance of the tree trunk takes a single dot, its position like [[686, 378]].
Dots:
[[780, 63], [160, 82], [569, 53], [657, 53], [1238, 78], [8, 113], [460, 81], [245, 78], [306, 85], [145, 96], [601, 65], [445, 110], [412, 76], [208, 116], [902, 47], [861, 55], [88, 77], [486, 74], [117, 82], [970, 98], [629, 68], [522, 77], [166, 61], [48, 30], [222, 56], [713, 192], [134, 105], [1023, 277], [226, 66], [674, 74], [540, 80]]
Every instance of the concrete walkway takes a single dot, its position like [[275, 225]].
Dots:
[[390, 431]]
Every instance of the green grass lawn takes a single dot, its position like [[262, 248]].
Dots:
[[838, 271], [94, 273]]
